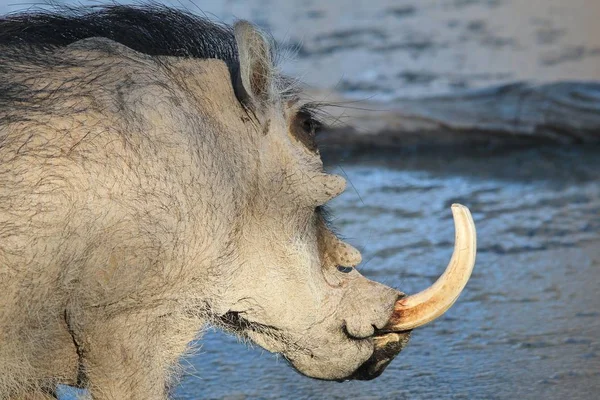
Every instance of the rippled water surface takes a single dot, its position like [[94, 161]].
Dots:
[[528, 324]]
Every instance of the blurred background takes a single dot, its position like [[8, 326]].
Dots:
[[489, 103]]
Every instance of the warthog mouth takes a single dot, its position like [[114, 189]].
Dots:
[[232, 321], [386, 345]]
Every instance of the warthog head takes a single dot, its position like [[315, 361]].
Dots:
[[297, 291], [171, 175]]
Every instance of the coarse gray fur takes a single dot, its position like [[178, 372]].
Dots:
[[146, 194]]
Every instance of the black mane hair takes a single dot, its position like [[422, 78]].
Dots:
[[152, 29]]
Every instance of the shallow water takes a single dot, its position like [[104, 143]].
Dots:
[[527, 325]]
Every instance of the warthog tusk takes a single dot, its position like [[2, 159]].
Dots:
[[413, 311]]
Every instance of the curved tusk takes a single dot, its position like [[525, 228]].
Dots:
[[417, 310]]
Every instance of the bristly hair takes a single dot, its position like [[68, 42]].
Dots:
[[151, 29]]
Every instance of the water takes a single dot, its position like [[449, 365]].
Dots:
[[527, 325]]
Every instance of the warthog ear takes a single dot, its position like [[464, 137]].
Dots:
[[255, 83]]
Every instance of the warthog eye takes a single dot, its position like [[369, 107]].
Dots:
[[305, 128], [345, 270], [310, 125]]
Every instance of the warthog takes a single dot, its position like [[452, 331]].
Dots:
[[157, 174]]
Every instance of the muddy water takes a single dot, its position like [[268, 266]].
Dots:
[[528, 325]]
